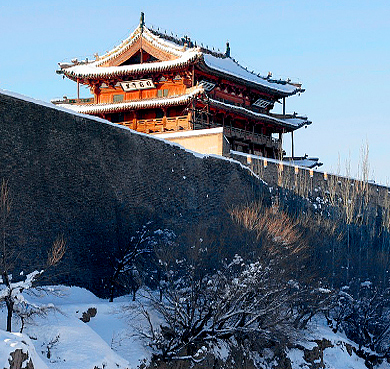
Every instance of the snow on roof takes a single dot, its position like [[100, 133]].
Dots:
[[184, 55], [231, 67], [304, 162], [292, 123], [135, 104], [92, 70], [298, 121], [158, 42], [162, 43], [96, 69]]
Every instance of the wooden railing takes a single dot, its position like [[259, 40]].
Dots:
[[252, 137], [156, 125], [241, 134], [171, 124], [73, 101]]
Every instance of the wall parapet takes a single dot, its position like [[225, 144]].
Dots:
[[310, 182]]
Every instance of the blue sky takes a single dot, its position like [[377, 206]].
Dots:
[[338, 50]]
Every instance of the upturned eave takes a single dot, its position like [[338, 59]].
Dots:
[[287, 122], [279, 89]]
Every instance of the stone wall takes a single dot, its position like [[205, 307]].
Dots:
[[95, 183], [306, 181]]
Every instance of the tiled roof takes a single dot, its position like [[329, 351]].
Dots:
[[92, 71], [182, 57], [290, 122], [228, 66]]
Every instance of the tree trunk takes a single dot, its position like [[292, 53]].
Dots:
[[111, 292], [10, 308], [113, 280], [22, 325], [348, 256], [8, 300]]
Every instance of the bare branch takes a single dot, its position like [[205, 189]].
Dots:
[[57, 251]]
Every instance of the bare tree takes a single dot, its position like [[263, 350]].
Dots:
[[132, 261], [348, 197], [124, 263], [260, 299], [11, 293], [362, 313]]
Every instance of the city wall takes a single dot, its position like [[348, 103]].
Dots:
[[97, 183], [309, 182]]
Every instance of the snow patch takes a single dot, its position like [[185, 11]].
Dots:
[[10, 342]]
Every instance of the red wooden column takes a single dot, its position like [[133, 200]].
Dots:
[[164, 119], [134, 121], [96, 92]]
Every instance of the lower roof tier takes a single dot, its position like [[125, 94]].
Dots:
[[105, 108], [194, 94], [290, 122]]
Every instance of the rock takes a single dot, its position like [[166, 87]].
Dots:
[[315, 356], [90, 313], [20, 360]]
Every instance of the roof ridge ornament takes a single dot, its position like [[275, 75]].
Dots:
[[142, 21], [227, 53]]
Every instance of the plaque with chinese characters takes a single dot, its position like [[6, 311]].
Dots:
[[139, 84]]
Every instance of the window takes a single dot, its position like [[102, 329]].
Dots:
[[161, 93], [117, 117], [118, 98], [208, 86], [159, 113]]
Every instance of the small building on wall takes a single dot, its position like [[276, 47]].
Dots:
[[206, 101]]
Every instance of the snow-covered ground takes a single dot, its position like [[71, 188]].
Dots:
[[339, 354], [110, 340], [62, 341]]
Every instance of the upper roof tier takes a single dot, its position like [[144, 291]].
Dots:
[[169, 54]]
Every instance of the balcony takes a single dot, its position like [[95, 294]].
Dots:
[[165, 124], [256, 138], [173, 124]]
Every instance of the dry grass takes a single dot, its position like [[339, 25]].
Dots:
[[57, 251], [273, 224]]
